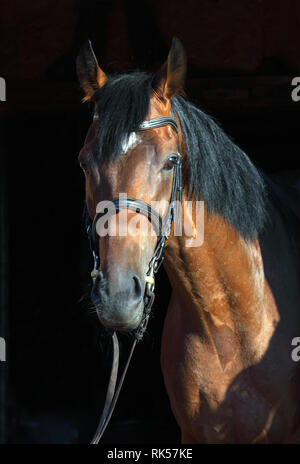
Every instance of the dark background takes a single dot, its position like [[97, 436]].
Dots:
[[242, 57]]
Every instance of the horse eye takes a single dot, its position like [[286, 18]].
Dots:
[[169, 163]]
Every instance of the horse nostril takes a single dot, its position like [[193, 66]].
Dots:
[[137, 287]]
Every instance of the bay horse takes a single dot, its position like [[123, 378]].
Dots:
[[234, 310]]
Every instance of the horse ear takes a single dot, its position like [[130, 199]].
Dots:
[[90, 75], [169, 80]]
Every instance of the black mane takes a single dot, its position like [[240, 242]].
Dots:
[[219, 172]]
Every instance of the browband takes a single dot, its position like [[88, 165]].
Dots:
[[158, 122]]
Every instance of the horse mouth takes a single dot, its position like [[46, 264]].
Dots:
[[120, 324]]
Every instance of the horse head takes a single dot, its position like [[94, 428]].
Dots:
[[131, 150]]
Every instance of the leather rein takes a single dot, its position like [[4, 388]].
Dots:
[[164, 232]]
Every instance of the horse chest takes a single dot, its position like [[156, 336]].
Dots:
[[218, 404]]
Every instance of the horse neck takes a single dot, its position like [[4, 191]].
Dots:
[[222, 280]]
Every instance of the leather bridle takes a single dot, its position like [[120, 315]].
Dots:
[[163, 229]]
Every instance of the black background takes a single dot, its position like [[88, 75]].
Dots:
[[57, 365]]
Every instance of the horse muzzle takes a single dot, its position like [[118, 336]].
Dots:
[[118, 296]]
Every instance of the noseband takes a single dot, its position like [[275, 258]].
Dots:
[[163, 230]]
